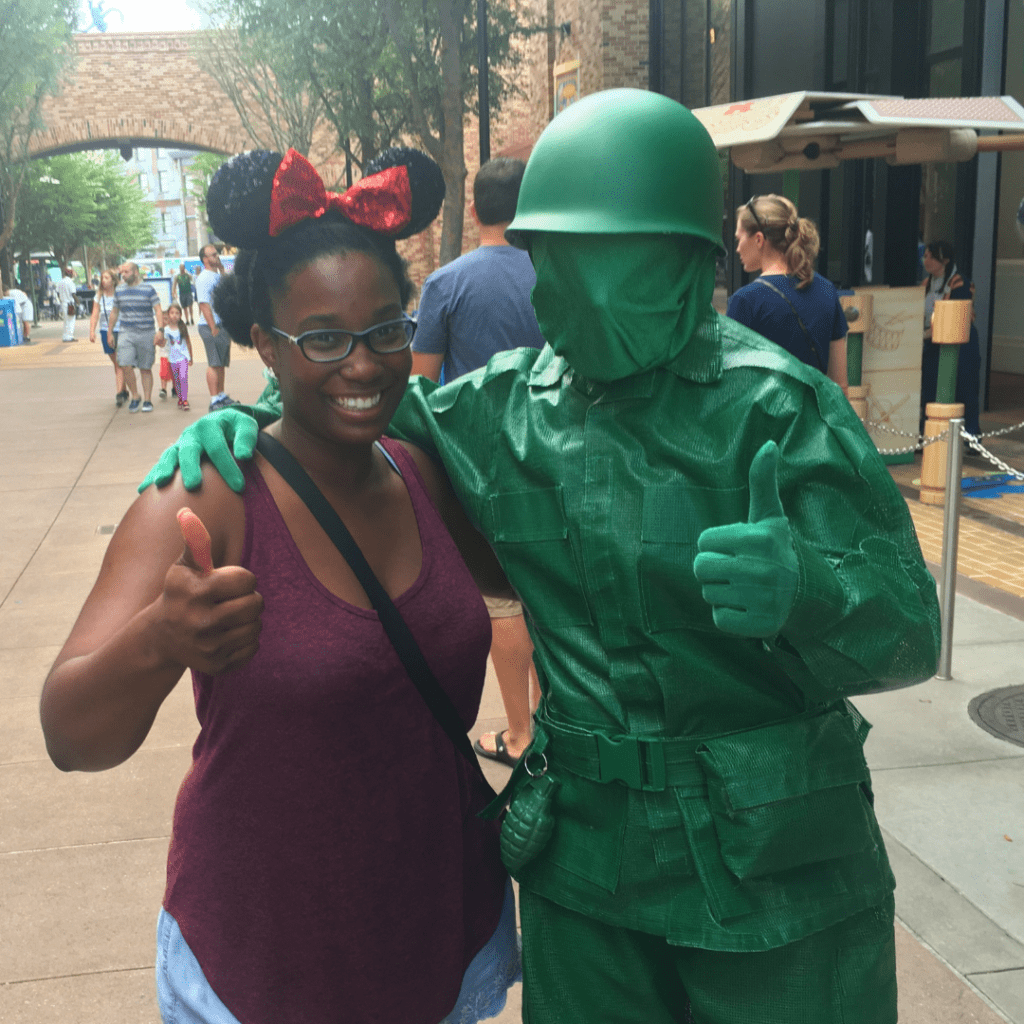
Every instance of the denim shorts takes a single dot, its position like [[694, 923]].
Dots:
[[185, 996], [108, 349]]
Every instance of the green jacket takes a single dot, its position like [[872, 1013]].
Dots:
[[711, 788], [760, 831]]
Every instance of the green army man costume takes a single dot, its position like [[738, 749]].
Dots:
[[713, 557]]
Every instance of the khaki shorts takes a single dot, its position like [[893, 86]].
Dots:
[[503, 607], [135, 349], [218, 349]]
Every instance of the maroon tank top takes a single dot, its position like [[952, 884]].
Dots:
[[326, 861]]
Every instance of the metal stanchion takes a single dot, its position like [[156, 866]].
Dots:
[[950, 539]]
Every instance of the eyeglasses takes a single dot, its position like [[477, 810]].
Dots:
[[327, 345], [753, 213]]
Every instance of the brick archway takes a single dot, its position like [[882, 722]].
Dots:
[[138, 89]]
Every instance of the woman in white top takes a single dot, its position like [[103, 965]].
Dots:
[[102, 307]]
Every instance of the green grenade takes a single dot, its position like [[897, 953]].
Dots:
[[528, 824]]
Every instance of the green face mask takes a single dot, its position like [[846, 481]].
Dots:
[[616, 305]]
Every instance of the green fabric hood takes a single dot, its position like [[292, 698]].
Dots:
[[616, 305]]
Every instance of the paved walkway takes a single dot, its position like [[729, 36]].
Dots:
[[82, 856]]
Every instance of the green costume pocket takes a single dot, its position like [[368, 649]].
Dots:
[[673, 517], [530, 529], [788, 794]]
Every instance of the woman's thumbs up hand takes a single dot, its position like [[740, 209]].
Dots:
[[211, 616]]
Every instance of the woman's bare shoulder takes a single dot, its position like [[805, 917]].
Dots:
[[221, 510]]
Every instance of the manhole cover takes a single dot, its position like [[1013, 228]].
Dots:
[[1001, 712]]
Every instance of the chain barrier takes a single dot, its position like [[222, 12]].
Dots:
[[1005, 430], [976, 444], [955, 434], [920, 442], [974, 440]]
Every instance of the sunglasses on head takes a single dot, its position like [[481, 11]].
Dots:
[[753, 213]]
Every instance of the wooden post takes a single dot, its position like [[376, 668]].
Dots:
[[951, 325], [858, 310]]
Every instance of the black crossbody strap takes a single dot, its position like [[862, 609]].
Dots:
[[807, 333], [391, 619]]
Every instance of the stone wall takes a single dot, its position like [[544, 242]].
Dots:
[[139, 89]]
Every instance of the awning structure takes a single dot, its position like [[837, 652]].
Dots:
[[816, 130]]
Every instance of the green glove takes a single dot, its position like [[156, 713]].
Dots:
[[222, 436], [749, 571]]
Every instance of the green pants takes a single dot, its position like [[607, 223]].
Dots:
[[577, 970]]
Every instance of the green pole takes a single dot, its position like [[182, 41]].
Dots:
[[854, 358], [945, 389], [791, 187]]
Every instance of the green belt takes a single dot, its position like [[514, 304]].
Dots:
[[639, 762]]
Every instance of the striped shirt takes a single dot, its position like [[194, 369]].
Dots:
[[134, 304]]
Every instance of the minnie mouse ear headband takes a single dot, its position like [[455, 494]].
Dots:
[[256, 196]]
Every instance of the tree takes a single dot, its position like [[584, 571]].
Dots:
[[75, 200], [124, 217], [388, 70], [35, 48], [57, 208], [199, 173], [274, 100]]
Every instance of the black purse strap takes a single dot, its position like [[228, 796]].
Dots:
[[807, 333], [391, 619]]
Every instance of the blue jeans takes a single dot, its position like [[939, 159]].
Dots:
[[185, 996]]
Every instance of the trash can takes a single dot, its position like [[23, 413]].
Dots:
[[84, 297], [10, 333]]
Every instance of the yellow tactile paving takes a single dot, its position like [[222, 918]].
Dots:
[[1006, 506], [985, 554]]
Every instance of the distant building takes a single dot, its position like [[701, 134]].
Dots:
[[164, 179]]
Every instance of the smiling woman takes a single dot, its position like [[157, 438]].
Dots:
[[326, 849]]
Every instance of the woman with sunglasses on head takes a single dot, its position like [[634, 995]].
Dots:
[[789, 303], [326, 855]]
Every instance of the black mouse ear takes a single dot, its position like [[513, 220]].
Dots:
[[238, 199], [426, 184]]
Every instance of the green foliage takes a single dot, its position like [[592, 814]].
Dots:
[[267, 85], [35, 48], [124, 216], [200, 172], [74, 200], [386, 71]]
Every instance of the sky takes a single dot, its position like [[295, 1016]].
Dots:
[[142, 15]]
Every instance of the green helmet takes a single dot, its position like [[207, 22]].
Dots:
[[621, 162]]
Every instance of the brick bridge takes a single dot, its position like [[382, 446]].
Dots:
[[138, 89]]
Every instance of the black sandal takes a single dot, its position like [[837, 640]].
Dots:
[[499, 753]]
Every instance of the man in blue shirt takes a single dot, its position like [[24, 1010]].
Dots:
[[470, 309]]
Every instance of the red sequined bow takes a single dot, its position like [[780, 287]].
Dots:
[[381, 202]]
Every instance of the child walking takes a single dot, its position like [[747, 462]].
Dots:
[[165, 369], [179, 352]]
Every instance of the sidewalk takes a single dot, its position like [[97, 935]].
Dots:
[[82, 856]]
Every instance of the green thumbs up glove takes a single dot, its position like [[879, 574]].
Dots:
[[749, 571], [223, 437]]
